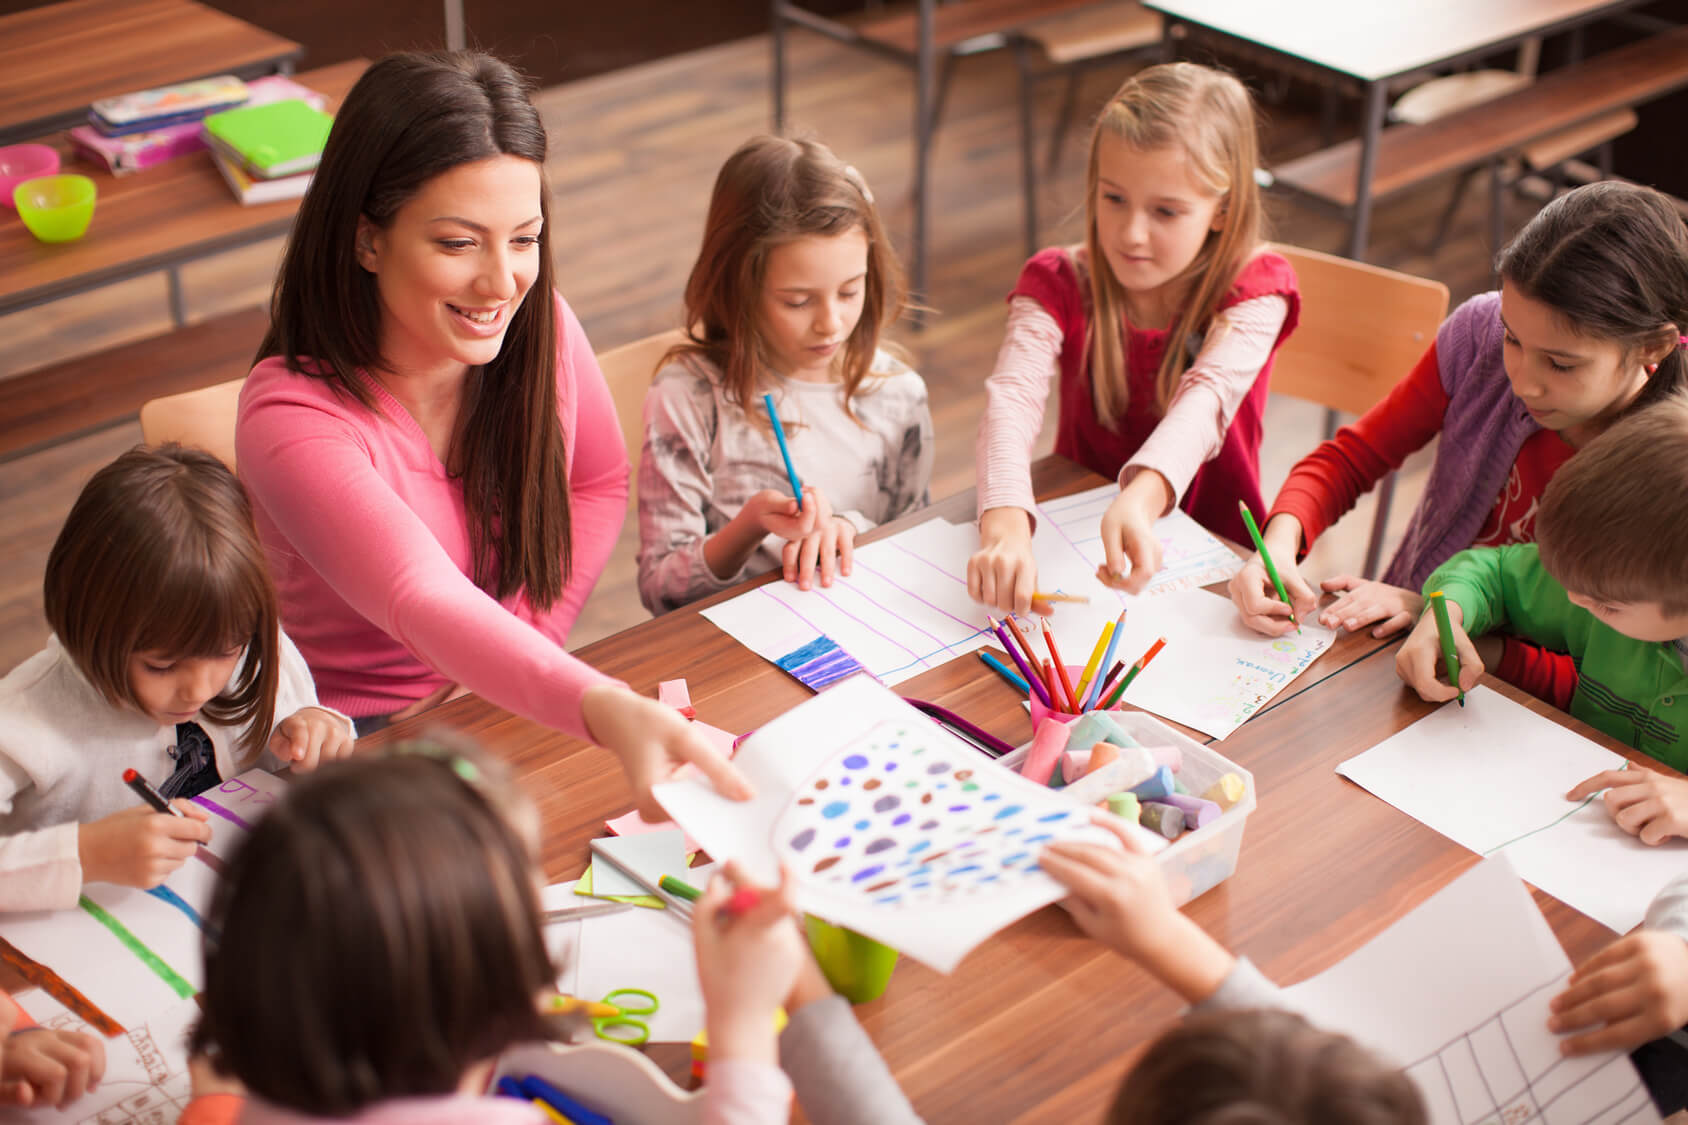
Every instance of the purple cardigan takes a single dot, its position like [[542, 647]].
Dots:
[[1483, 428]]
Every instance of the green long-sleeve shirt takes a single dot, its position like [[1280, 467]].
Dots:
[[1633, 690]]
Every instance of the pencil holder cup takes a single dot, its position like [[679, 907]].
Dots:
[[24, 162], [857, 967], [56, 208]]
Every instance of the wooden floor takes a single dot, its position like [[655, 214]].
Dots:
[[633, 157]]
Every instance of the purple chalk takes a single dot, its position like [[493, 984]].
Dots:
[[1197, 812]]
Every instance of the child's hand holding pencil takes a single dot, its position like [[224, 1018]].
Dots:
[[1417, 661]]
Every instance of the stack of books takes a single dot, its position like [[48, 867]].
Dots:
[[268, 152], [121, 136]]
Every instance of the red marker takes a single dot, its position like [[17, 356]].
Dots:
[[143, 788]]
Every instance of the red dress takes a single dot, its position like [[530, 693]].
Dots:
[[1057, 280]]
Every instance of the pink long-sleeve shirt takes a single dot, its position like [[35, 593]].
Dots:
[[368, 540]]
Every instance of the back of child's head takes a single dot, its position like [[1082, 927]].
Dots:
[[775, 190], [1262, 1067], [159, 554], [1613, 524], [1612, 260], [376, 935], [1209, 115]]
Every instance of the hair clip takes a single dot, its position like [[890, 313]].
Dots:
[[439, 748]]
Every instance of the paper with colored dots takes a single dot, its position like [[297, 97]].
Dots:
[[889, 824]]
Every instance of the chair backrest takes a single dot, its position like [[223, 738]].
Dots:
[[202, 418], [628, 370], [1362, 329]]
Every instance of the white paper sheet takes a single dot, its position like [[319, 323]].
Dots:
[[648, 949], [135, 953], [1191, 556], [146, 1079], [1457, 993], [1492, 776], [650, 855], [891, 826]]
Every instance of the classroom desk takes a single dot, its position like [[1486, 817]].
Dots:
[[1038, 1023], [58, 59], [1376, 45], [155, 219]]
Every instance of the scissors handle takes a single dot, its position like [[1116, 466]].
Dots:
[[631, 1031]]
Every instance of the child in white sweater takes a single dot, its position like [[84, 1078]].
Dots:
[[167, 657]]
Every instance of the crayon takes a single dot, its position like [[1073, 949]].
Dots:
[[1006, 672], [1271, 570], [679, 888], [1095, 659], [1445, 630], [1107, 657], [144, 789], [785, 450]]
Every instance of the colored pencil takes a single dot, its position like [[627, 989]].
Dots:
[[1445, 630], [1107, 657], [1107, 684], [1266, 558], [1006, 672], [1095, 659], [1060, 668], [679, 888], [1142, 663], [785, 450], [1076, 599], [1026, 670]]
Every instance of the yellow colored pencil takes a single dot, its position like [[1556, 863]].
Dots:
[[1076, 599], [1095, 659]]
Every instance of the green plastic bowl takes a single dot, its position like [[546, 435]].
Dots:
[[56, 208]]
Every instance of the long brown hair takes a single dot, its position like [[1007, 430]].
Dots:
[[774, 190], [426, 954], [1262, 1067], [1209, 115], [1611, 259], [160, 554], [409, 118]]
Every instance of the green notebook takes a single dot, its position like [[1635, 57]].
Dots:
[[273, 140]]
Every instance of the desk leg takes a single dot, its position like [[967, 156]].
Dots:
[[923, 103], [1371, 127]]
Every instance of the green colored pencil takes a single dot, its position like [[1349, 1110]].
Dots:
[[1445, 630], [1271, 569]]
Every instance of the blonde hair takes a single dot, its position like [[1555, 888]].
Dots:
[[1613, 524], [1209, 115], [771, 191]]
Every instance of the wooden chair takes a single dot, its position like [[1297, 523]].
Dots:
[[1070, 43], [628, 370], [1362, 329], [202, 418]]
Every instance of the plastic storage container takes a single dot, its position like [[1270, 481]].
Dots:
[[1201, 858]]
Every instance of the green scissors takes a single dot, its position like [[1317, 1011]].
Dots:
[[625, 1028]]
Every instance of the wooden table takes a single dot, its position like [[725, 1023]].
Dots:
[[1375, 44], [57, 60], [151, 220], [1039, 1022]]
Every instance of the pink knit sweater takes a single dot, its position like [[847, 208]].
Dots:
[[368, 541]]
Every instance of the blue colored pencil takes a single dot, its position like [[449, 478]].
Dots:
[[1107, 662], [1006, 672], [785, 451]]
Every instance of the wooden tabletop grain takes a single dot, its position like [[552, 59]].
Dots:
[[58, 59], [160, 216], [1370, 41], [1039, 1023]]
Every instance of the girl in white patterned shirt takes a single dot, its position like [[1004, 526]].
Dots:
[[793, 284]]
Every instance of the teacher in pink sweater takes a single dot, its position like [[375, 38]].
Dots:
[[432, 453]]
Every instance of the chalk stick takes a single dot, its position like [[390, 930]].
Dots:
[[1227, 791], [1169, 756], [1197, 812], [1168, 820], [674, 693], [1100, 755], [1074, 763], [1114, 777], [1125, 805], [1157, 786], [1178, 785], [1045, 754], [1099, 726]]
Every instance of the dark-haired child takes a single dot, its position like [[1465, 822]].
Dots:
[[166, 658]]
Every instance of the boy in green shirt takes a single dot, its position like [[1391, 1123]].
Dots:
[[1606, 581]]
